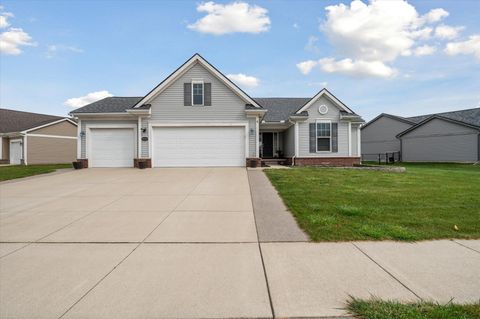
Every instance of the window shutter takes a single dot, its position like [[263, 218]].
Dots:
[[187, 94], [207, 92], [335, 137], [313, 138]]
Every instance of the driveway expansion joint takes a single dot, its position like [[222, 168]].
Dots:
[[388, 272], [465, 246]]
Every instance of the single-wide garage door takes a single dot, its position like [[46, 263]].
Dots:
[[198, 146], [112, 147]]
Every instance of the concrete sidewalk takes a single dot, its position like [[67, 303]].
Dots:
[[316, 279], [183, 243]]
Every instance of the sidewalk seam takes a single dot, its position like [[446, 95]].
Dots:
[[388, 272], [260, 250], [465, 246]]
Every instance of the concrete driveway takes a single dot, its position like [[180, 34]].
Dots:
[[183, 243], [125, 243]]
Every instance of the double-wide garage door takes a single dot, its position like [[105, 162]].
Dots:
[[198, 146]]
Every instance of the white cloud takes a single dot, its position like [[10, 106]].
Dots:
[[424, 50], [470, 46], [306, 66], [435, 15], [296, 26], [312, 44], [447, 32], [359, 68], [54, 49], [244, 80], [87, 99], [13, 39], [371, 36], [230, 18], [4, 18]]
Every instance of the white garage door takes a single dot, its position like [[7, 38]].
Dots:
[[15, 152], [198, 146], [112, 147]]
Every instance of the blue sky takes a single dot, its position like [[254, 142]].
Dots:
[[73, 48]]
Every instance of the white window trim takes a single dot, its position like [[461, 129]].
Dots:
[[203, 92], [316, 135], [152, 125]]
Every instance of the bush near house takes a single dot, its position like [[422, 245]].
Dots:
[[428, 201]]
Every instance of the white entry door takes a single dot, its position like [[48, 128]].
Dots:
[[15, 152], [111, 147], [198, 146]]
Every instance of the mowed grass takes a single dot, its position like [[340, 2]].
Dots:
[[18, 171], [425, 202], [378, 309]]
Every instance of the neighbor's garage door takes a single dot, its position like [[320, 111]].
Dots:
[[112, 147], [198, 146]]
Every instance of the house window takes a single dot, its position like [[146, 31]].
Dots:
[[324, 136], [197, 93]]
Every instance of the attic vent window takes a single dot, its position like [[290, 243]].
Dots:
[[323, 109]]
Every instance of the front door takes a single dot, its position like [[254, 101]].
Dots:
[[267, 141]]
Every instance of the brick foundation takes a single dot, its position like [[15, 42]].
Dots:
[[147, 161], [84, 162], [253, 162], [327, 161]]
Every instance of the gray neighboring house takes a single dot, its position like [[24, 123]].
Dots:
[[442, 137], [198, 117], [33, 138]]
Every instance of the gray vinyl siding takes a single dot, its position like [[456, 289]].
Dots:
[[355, 133], [289, 141], [440, 141], [252, 137], [380, 137], [144, 144], [333, 114], [84, 123], [227, 106], [168, 106]]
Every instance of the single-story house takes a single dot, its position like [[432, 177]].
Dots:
[[198, 117], [32, 138], [441, 137]]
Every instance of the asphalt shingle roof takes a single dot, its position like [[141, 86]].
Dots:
[[114, 104], [280, 108], [469, 116], [17, 121]]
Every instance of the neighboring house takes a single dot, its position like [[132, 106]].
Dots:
[[379, 136], [198, 117], [32, 138], [442, 137]]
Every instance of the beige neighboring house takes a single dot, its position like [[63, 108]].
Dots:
[[32, 138]]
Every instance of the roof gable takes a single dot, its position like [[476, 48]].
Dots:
[[433, 117], [197, 58], [18, 121], [393, 117], [333, 98]]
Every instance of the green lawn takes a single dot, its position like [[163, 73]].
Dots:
[[18, 171], [426, 202], [377, 309]]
